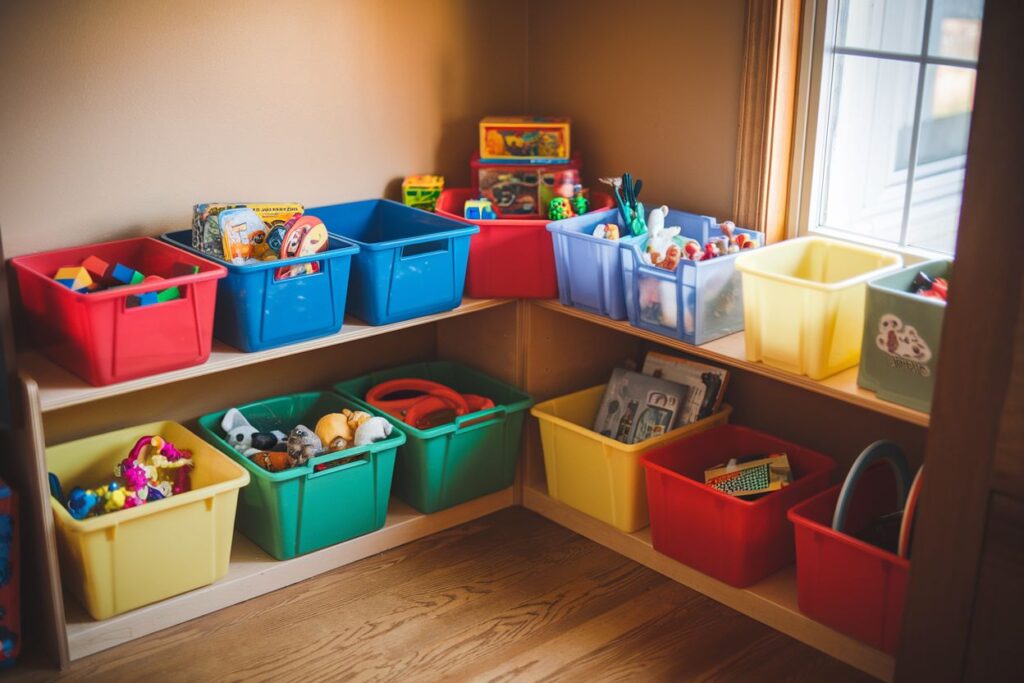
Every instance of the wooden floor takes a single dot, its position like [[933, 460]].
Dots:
[[509, 597]]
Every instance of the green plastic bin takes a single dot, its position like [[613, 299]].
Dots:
[[900, 352], [300, 510], [471, 457]]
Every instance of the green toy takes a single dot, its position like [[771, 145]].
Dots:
[[632, 210], [559, 208], [580, 204]]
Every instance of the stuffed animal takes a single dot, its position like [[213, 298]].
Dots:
[[303, 444], [334, 431], [372, 430], [661, 238], [243, 437], [272, 461]]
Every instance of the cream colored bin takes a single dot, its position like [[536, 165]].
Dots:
[[803, 302]]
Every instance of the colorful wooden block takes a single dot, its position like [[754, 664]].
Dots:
[[168, 295], [98, 269], [144, 299], [126, 276], [75, 278]]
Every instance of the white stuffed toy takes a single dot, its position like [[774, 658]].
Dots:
[[243, 437], [373, 430]]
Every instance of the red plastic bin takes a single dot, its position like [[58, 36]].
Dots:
[[736, 541], [96, 335], [510, 258], [843, 582]]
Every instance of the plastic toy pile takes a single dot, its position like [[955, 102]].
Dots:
[[276, 451], [154, 469], [94, 275], [253, 233], [929, 287]]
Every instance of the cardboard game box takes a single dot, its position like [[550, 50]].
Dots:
[[637, 407]]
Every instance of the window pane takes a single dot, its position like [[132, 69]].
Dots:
[[956, 28], [870, 119], [941, 157], [889, 25]]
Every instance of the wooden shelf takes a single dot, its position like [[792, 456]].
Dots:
[[772, 601], [58, 388], [730, 351], [253, 573]]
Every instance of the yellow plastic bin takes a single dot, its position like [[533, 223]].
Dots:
[[596, 474], [803, 302], [126, 559]]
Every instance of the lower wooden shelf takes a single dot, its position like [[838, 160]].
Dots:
[[773, 601], [253, 573]]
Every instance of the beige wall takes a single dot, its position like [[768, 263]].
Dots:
[[653, 88], [117, 116]]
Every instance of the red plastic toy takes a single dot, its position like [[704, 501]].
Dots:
[[422, 403]]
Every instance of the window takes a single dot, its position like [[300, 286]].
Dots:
[[889, 107]]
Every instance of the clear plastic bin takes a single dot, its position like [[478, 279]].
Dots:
[[697, 302], [803, 302]]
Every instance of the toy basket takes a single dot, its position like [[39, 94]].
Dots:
[[900, 350], [452, 463], [256, 310], [594, 473], [589, 268], [300, 510], [410, 262], [102, 339], [734, 540], [510, 258], [126, 559], [698, 301], [803, 302], [842, 581]]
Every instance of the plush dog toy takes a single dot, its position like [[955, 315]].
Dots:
[[244, 438]]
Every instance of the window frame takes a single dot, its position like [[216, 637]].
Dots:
[[809, 152]]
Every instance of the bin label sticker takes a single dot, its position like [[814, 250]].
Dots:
[[903, 345]]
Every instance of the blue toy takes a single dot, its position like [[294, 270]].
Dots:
[[81, 502]]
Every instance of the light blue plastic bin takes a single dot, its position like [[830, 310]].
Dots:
[[589, 268], [410, 262], [257, 311], [697, 302]]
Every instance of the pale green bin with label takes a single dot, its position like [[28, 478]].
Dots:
[[900, 353]]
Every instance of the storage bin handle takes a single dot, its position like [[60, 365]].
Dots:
[[417, 249], [361, 455], [481, 418], [884, 451]]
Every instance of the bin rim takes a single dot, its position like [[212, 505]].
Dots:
[[878, 284], [213, 271], [513, 222], [348, 249], [743, 264], [829, 466], [460, 228], [723, 413]]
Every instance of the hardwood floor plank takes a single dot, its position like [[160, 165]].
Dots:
[[510, 597]]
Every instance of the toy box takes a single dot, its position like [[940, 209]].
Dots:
[[529, 139], [522, 189], [900, 347], [422, 191]]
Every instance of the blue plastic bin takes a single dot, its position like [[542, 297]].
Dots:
[[697, 302], [410, 262], [589, 268], [256, 311]]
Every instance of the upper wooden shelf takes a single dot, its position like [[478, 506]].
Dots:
[[730, 351], [58, 388]]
